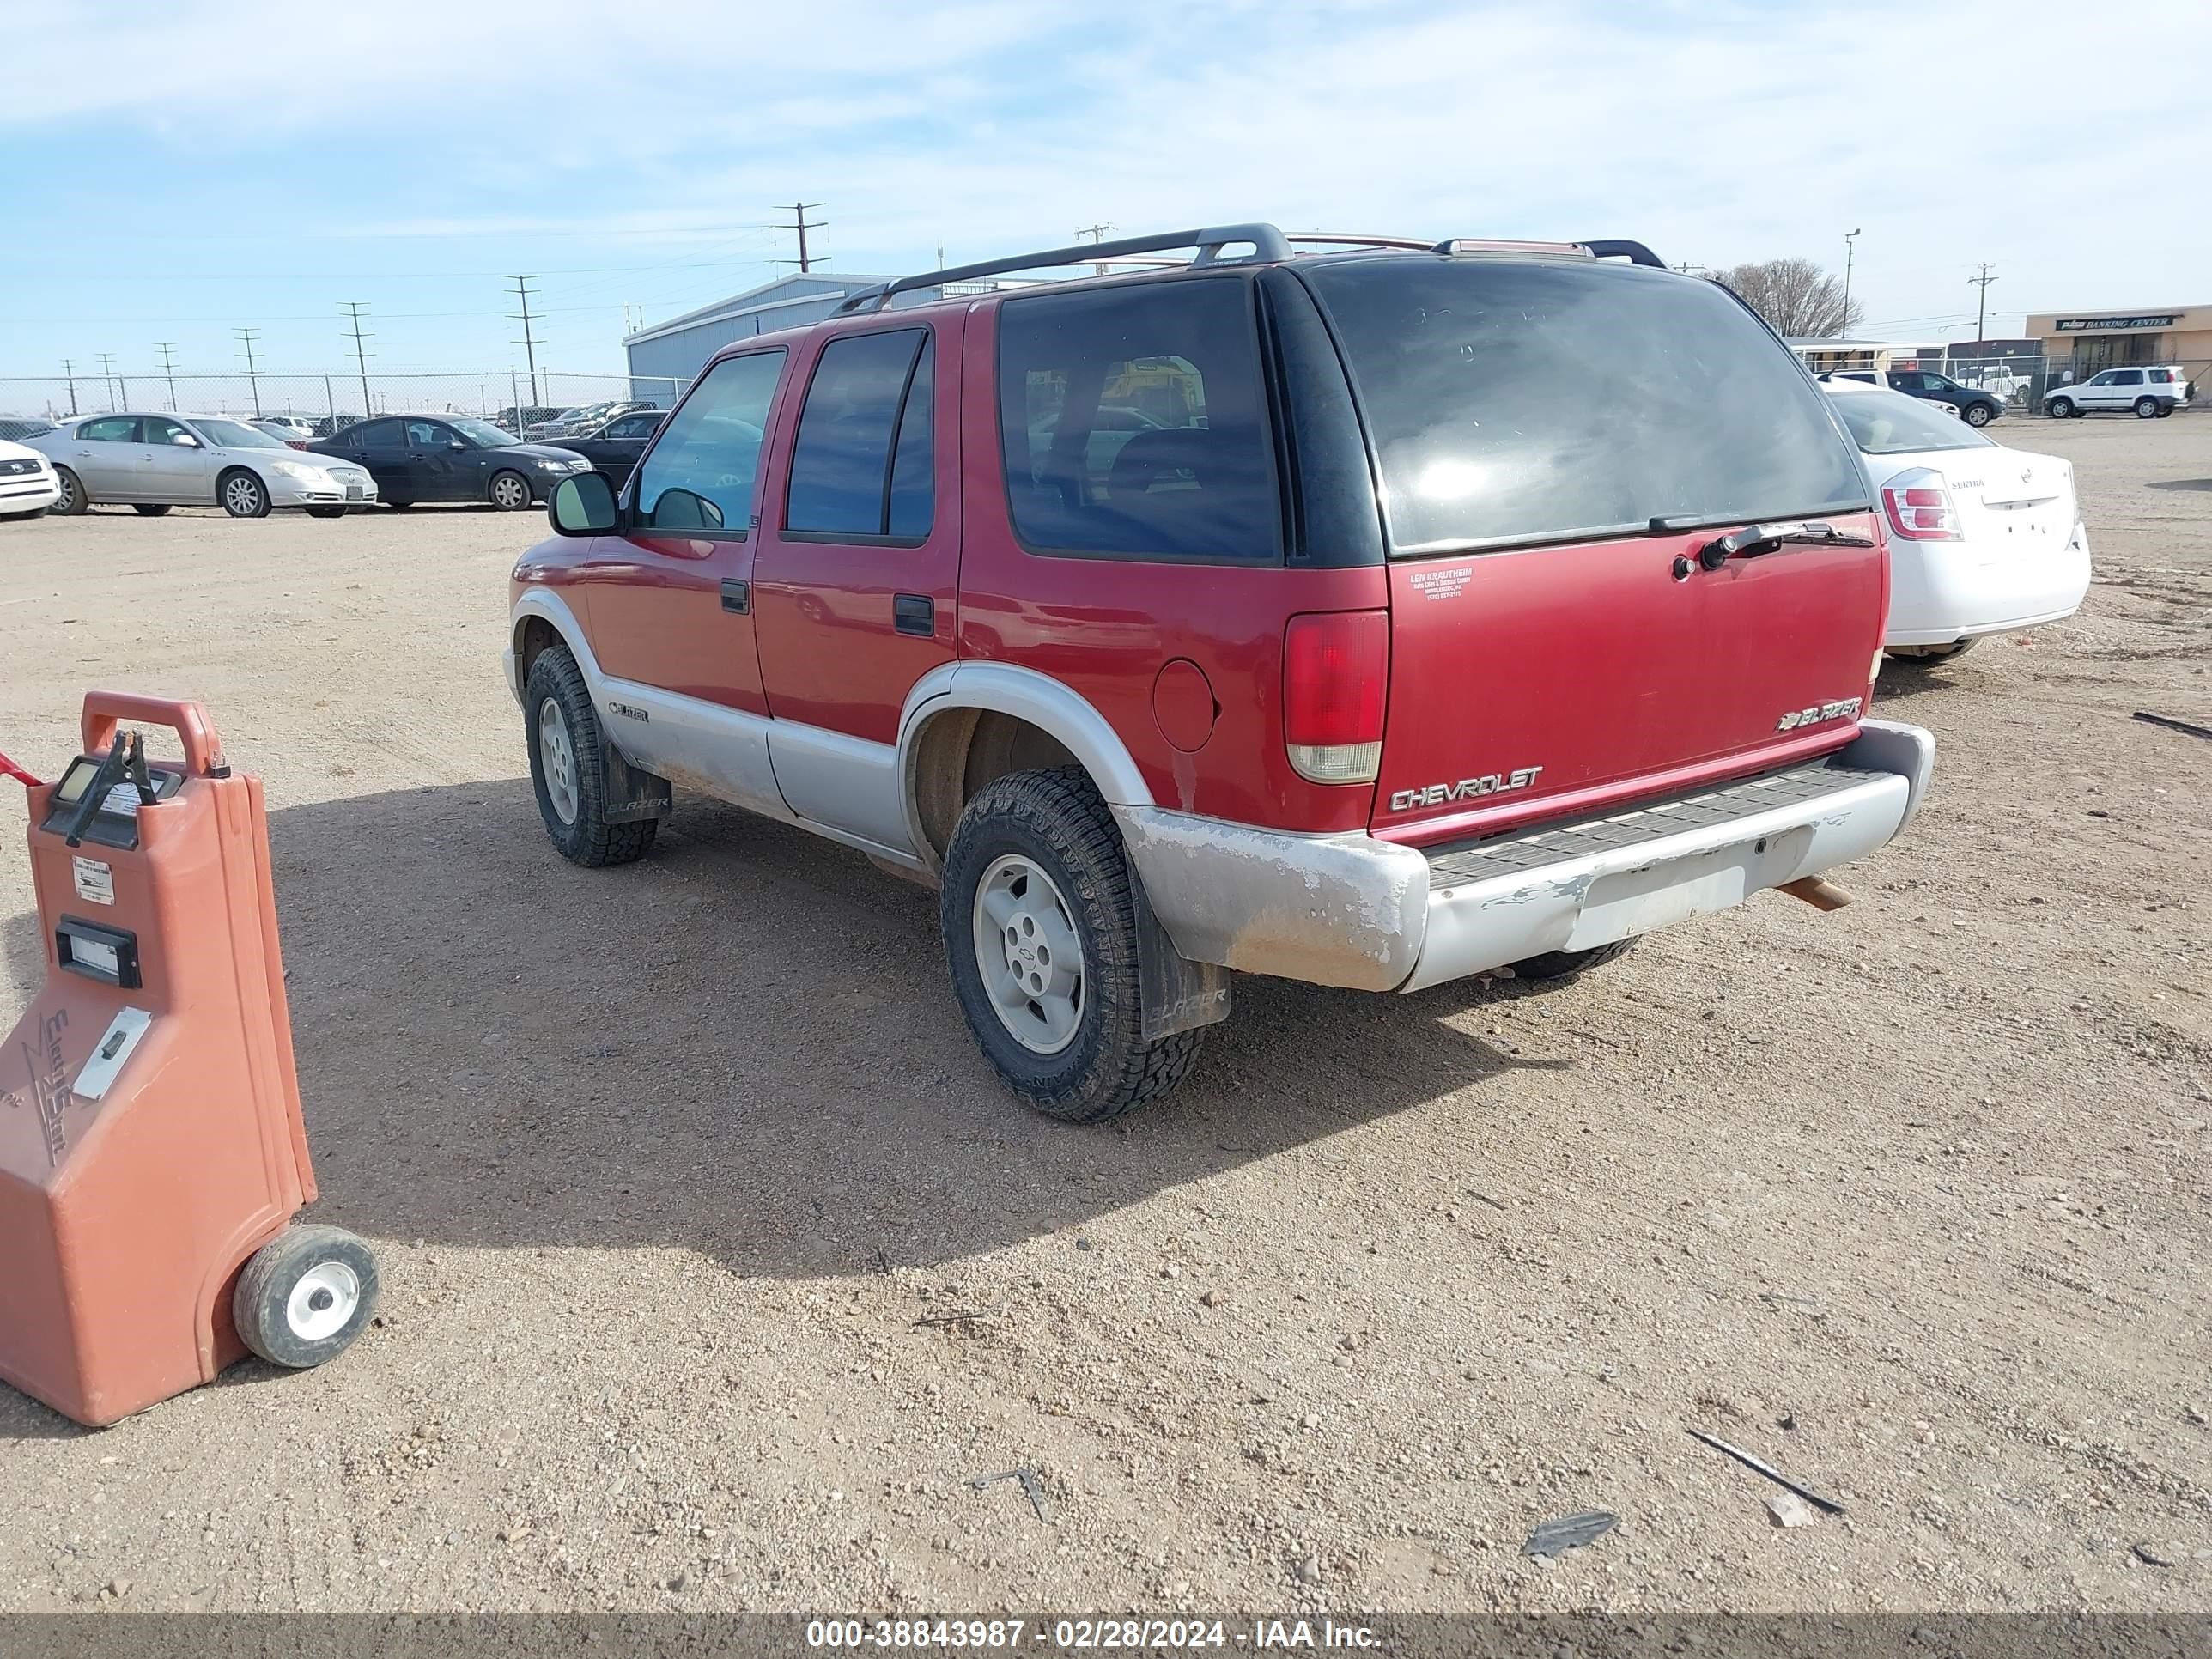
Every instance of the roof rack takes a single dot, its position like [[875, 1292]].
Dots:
[[1267, 243], [1348, 239]]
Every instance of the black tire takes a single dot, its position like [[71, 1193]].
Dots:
[[18, 518], [74, 501], [2164, 409], [1565, 964], [1927, 656], [1978, 415], [398, 507], [508, 490], [242, 494], [588, 838], [1055, 820], [150, 509], [326, 512], [2061, 409], [2146, 409], [296, 1286]]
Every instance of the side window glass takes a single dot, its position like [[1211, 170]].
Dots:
[[160, 429], [700, 474], [425, 434], [1133, 421], [841, 463], [914, 462], [2128, 377], [2105, 379], [117, 429]]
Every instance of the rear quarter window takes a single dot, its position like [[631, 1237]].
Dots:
[[1519, 401], [1132, 421]]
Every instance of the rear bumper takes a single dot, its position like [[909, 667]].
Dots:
[[1355, 911], [1943, 592]]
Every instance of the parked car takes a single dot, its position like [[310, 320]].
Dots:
[[294, 429], [554, 422], [1976, 407], [612, 446], [519, 421], [1481, 608], [2149, 391], [1983, 539], [155, 462], [27, 485], [13, 428], [579, 421], [451, 458]]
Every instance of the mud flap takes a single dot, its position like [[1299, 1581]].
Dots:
[[1179, 994], [632, 793]]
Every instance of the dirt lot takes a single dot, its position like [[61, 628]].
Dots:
[[1912, 1198]]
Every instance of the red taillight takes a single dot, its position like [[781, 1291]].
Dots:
[[1919, 507], [1336, 666]]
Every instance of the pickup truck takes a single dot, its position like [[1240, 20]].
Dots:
[[1279, 611]]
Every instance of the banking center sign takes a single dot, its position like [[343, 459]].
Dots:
[[2099, 325]]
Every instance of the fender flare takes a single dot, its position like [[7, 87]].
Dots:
[[1025, 693], [546, 605]]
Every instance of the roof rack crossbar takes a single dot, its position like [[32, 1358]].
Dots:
[[1350, 239], [1267, 243]]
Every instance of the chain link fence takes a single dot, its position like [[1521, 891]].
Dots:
[[511, 398]]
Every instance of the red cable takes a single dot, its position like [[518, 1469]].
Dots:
[[9, 769]]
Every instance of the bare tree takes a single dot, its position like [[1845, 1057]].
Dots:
[[1795, 297]]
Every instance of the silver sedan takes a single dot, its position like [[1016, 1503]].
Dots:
[[155, 462]]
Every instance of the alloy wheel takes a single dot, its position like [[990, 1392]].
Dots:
[[1029, 954]]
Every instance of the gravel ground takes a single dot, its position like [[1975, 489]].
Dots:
[[716, 1265]]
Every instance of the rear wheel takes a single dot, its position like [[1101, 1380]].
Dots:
[[243, 495], [1565, 964], [150, 509], [2164, 409], [2146, 409], [73, 500], [565, 769], [510, 491], [2060, 409], [305, 1294], [1039, 923], [1927, 656], [1977, 414]]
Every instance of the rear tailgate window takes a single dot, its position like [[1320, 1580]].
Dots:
[[1518, 401]]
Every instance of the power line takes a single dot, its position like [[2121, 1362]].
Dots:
[[800, 223], [353, 307], [246, 338], [529, 341], [169, 367], [1982, 303]]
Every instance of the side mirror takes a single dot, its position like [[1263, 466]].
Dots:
[[184, 439], [455, 445], [583, 504]]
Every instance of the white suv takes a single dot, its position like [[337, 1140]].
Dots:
[[2152, 389]]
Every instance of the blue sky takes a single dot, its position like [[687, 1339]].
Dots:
[[176, 173]]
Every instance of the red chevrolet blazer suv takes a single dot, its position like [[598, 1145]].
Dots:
[[1367, 611]]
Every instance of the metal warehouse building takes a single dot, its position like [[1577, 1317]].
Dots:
[[679, 347]]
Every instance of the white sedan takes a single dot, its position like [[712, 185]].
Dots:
[[27, 485], [1983, 539]]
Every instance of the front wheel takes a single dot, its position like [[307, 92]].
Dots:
[[305, 1294], [1040, 921], [243, 495], [150, 509], [565, 769], [510, 491], [1978, 415], [2060, 409], [2146, 409], [73, 500]]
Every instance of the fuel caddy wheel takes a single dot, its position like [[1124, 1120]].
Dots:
[[305, 1295]]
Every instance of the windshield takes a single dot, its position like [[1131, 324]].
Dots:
[[1543, 400], [481, 433], [1891, 423], [235, 434]]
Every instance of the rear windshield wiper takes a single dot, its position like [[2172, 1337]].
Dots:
[[1754, 539]]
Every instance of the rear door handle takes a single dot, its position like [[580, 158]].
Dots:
[[737, 597], [913, 613]]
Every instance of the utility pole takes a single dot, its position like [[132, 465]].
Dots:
[[352, 308], [68, 373], [529, 341], [169, 367], [246, 339], [1096, 233], [1851, 247], [1982, 302], [800, 223], [107, 374]]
